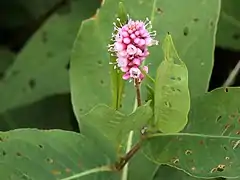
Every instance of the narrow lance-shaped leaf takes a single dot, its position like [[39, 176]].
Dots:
[[172, 98], [116, 74]]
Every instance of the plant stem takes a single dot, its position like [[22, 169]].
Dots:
[[124, 160], [137, 86]]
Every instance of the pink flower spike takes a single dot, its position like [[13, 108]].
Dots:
[[118, 46], [136, 61], [124, 69], [145, 68], [131, 49], [134, 72], [126, 76], [122, 62], [126, 40]]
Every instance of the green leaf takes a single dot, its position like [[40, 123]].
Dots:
[[209, 146], [116, 74], [114, 125], [228, 35], [193, 33], [40, 69], [172, 98], [165, 172], [49, 155]]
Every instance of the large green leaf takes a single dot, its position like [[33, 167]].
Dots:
[[209, 146], [116, 127], [171, 98], [228, 34], [33, 154], [41, 67], [193, 33]]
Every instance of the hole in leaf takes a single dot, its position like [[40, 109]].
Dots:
[[188, 152], [225, 148], [227, 158], [99, 62], [49, 160], [179, 78], [32, 83], [67, 67], [173, 89], [40, 146], [18, 154], [221, 167], [179, 90], [211, 23], [226, 90], [167, 104], [185, 31], [159, 10], [218, 118], [195, 19], [238, 132]]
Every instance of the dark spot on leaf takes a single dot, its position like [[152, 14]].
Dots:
[[49, 54], [80, 109], [68, 170], [185, 31], [226, 90], [238, 132], [201, 142], [1, 75], [99, 62], [67, 67], [179, 90], [167, 104], [236, 36], [120, 105], [231, 116], [173, 89], [4, 153], [49, 160], [44, 37], [56, 172], [40, 146], [18, 154], [211, 23], [195, 19], [172, 78], [218, 118], [225, 148], [25, 177], [102, 82], [1, 139], [159, 10], [179, 78], [32, 83]]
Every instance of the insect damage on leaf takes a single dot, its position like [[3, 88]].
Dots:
[[172, 98]]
